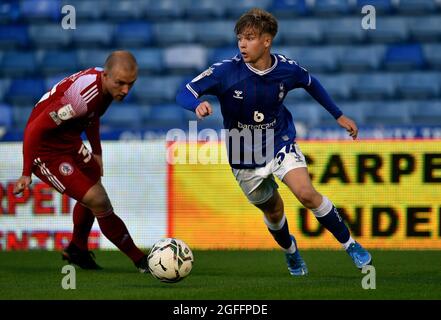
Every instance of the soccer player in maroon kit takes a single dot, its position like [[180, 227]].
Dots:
[[54, 151]]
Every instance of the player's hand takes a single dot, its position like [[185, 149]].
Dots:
[[203, 110], [349, 125], [22, 184], [99, 159]]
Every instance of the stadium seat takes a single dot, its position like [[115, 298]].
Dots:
[[425, 28], [383, 113], [5, 117], [50, 81], [56, 62], [13, 36], [329, 7], [150, 60], [306, 114], [91, 58], [9, 11], [338, 86], [156, 89], [288, 8], [18, 63], [25, 91], [215, 33], [133, 34], [419, 85], [381, 6], [415, 6], [185, 59], [426, 113], [95, 34], [173, 33], [122, 10], [33, 10], [234, 9], [204, 9], [343, 30], [123, 116], [20, 116], [219, 54], [374, 86], [353, 110], [4, 87], [166, 117], [300, 31], [389, 30], [432, 55], [87, 10], [404, 57], [362, 58], [49, 36], [164, 9], [320, 59]]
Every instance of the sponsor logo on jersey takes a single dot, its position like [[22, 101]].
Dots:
[[66, 112], [54, 117], [205, 73], [66, 169]]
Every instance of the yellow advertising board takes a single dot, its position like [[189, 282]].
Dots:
[[389, 193]]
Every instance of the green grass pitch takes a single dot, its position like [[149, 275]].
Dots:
[[221, 275]]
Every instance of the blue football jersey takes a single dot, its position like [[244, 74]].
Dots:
[[253, 99]]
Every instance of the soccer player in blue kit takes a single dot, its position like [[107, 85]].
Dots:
[[251, 88]]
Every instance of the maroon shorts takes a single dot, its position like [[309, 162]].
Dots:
[[73, 174]]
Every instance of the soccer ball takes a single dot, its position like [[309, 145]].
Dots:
[[170, 260]]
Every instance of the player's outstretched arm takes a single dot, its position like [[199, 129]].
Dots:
[[203, 110], [349, 125], [22, 183]]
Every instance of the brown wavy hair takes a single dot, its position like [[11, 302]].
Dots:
[[258, 19]]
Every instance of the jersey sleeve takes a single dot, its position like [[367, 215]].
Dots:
[[302, 78]]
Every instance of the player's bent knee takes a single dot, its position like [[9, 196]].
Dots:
[[308, 197], [96, 199]]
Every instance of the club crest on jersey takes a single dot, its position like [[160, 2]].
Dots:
[[281, 91], [66, 112], [205, 73], [66, 169], [238, 94]]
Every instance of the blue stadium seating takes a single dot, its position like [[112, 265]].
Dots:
[[56, 62], [149, 60], [87, 10], [288, 8], [338, 86], [95, 34], [404, 57], [215, 33], [374, 86], [13, 36], [362, 58], [320, 59], [133, 34], [185, 59], [205, 9], [307, 114], [18, 63], [235, 9], [166, 117], [156, 89], [344, 30], [388, 30], [330, 7], [386, 113], [381, 6], [165, 9], [4, 87], [123, 116], [20, 116], [416, 6], [427, 28], [300, 31], [419, 85], [123, 10], [9, 11], [168, 33], [426, 113], [25, 91], [41, 9], [432, 56], [91, 58], [50, 81], [219, 54], [49, 36], [5, 116]]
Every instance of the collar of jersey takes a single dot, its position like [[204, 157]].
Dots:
[[263, 72]]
